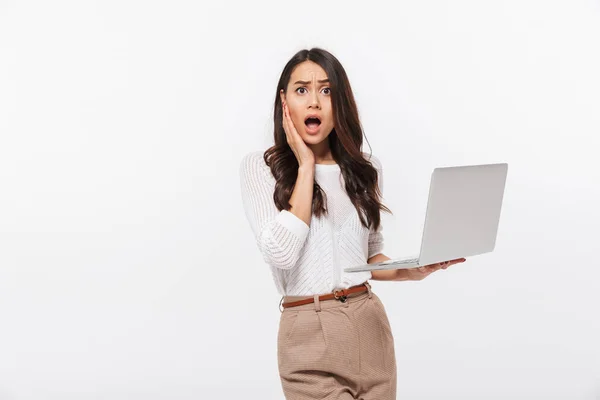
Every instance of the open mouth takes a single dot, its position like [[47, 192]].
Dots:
[[312, 122]]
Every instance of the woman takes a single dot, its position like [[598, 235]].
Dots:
[[313, 201]]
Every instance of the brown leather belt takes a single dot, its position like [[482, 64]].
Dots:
[[340, 295]]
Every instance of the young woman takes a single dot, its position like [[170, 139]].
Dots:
[[313, 201]]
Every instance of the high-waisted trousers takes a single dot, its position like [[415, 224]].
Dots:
[[337, 350]]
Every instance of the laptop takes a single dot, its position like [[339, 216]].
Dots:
[[462, 217]]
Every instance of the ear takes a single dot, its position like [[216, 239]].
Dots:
[[282, 95]]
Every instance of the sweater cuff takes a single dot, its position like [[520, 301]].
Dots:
[[293, 224]]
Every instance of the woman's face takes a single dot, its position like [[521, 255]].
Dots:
[[308, 96]]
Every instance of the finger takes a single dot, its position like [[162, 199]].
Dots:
[[285, 125], [284, 120], [452, 263], [290, 123], [293, 135]]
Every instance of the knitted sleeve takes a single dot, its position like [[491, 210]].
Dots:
[[280, 235], [376, 236]]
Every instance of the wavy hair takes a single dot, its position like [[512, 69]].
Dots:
[[345, 142]]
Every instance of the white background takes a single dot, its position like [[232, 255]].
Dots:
[[128, 269]]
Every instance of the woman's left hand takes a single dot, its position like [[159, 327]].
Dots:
[[420, 273]]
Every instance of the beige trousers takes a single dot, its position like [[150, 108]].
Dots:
[[334, 350]]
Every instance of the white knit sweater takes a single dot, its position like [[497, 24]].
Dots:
[[307, 260]]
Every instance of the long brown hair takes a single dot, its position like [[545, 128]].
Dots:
[[345, 142]]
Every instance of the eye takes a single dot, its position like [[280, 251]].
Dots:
[[304, 90]]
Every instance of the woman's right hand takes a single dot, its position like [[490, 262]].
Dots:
[[303, 153]]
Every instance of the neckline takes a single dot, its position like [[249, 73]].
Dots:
[[327, 166]]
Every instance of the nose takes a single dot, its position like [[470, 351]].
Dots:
[[314, 100]]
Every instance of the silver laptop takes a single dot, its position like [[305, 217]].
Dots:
[[463, 212]]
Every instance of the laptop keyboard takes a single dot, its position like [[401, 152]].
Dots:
[[401, 261]]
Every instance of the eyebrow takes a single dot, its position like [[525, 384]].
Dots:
[[308, 83]]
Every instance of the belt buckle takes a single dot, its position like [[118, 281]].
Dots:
[[341, 298]]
